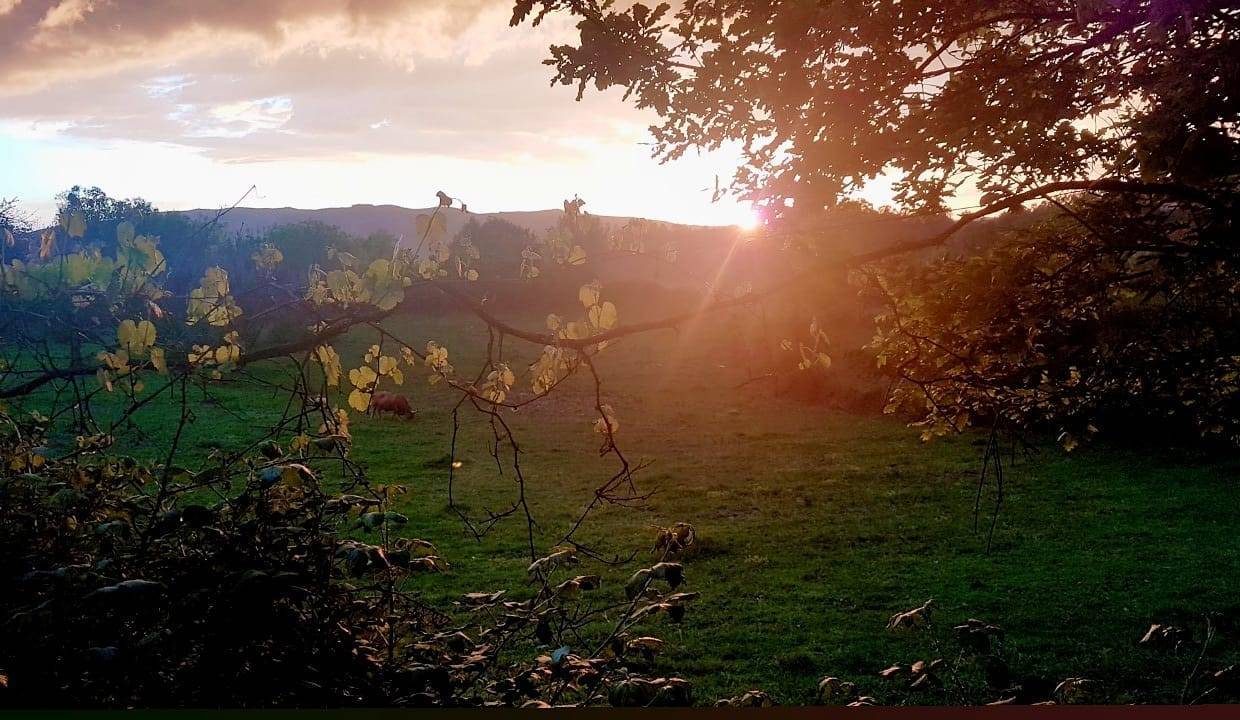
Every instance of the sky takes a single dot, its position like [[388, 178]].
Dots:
[[322, 103]]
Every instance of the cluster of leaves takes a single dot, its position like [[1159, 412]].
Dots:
[[1099, 315], [249, 579], [974, 662], [244, 583], [562, 245], [822, 97], [1119, 308]]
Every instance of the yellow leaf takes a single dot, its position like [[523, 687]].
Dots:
[[589, 294], [327, 357], [362, 377], [603, 316], [135, 338], [359, 400], [227, 353], [158, 361]]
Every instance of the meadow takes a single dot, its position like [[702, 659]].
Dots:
[[814, 525]]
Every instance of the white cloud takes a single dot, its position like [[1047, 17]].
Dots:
[[66, 13], [321, 102]]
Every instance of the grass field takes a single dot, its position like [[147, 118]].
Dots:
[[815, 526]]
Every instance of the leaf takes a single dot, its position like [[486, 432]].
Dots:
[[225, 354], [589, 294], [158, 361], [327, 357], [362, 377], [603, 316], [382, 286], [135, 338], [359, 400]]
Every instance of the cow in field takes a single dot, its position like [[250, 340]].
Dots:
[[384, 401]]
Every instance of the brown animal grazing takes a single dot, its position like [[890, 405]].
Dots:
[[383, 402]]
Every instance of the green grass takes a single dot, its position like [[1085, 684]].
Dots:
[[815, 525]]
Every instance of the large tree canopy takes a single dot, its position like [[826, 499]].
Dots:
[[1122, 115], [955, 94]]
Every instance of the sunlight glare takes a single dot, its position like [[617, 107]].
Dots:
[[749, 220]]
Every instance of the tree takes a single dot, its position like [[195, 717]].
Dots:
[[500, 243], [193, 247], [11, 217], [1006, 96], [100, 214], [1128, 113]]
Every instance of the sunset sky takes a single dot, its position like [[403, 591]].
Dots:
[[320, 103]]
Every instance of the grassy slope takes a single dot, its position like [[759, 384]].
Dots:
[[815, 525]]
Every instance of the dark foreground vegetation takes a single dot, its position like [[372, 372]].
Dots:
[[814, 526]]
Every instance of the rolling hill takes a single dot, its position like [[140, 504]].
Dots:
[[363, 220]]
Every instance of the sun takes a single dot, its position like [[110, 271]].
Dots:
[[749, 219]]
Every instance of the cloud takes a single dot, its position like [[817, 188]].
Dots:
[[320, 102], [280, 79], [56, 39]]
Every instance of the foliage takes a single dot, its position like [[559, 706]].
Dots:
[[1107, 315], [99, 215], [247, 580], [1006, 95], [128, 588], [1130, 105], [12, 222], [501, 243]]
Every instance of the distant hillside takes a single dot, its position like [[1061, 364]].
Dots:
[[362, 220], [707, 256]]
